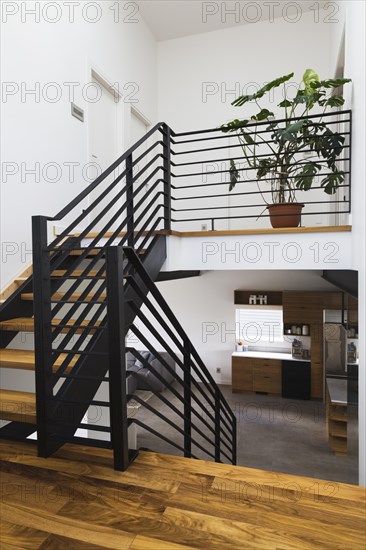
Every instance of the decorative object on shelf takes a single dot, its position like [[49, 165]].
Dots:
[[257, 298], [239, 346], [254, 299], [297, 349], [351, 353], [282, 161], [305, 330]]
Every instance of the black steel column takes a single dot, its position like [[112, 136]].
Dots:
[[187, 378], [117, 358], [234, 441], [42, 331], [129, 198], [167, 179], [217, 426]]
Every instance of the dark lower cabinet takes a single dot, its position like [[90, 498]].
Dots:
[[296, 379]]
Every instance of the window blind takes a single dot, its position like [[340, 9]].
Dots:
[[259, 325]]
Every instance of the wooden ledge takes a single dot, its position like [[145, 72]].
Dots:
[[269, 231], [228, 232]]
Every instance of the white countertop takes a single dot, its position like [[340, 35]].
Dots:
[[268, 355]]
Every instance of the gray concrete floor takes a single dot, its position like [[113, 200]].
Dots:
[[281, 435]]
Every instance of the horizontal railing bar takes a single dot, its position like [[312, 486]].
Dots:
[[250, 206], [256, 192], [204, 185], [256, 216], [254, 124], [247, 169], [263, 155], [233, 146]]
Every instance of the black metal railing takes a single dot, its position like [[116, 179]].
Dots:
[[201, 178], [127, 204], [85, 301], [196, 415]]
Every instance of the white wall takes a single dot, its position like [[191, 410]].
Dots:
[[206, 304], [231, 60], [199, 77], [37, 130], [355, 64]]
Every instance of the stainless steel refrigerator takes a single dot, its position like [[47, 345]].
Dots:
[[335, 350]]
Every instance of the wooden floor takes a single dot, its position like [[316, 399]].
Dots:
[[75, 500]]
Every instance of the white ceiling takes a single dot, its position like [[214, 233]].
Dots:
[[169, 19]]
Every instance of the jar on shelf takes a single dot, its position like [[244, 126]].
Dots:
[[305, 330]]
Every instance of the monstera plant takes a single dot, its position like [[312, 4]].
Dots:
[[279, 160]]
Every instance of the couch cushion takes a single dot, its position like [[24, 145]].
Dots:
[[145, 355]]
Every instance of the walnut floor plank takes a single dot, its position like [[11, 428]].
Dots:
[[79, 530], [25, 537], [170, 503]]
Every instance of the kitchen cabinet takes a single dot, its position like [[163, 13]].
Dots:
[[336, 411], [296, 379], [241, 374], [267, 378], [256, 375], [302, 307]]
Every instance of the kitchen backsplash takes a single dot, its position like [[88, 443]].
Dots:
[[281, 347]]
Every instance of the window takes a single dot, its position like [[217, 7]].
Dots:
[[259, 324]]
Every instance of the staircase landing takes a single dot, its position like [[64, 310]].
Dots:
[[76, 500]]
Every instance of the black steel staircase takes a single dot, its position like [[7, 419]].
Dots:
[[90, 287]]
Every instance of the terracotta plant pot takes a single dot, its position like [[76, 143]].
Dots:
[[286, 214]]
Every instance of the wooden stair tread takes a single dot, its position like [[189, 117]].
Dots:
[[18, 406], [25, 360], [26, 324], [77, 273], [57, 296]]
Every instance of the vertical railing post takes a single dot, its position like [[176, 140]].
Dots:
[[129, 199], [167, 179], [234, 442], [217, 425], [187, 378], [42, 331], [117, 357]]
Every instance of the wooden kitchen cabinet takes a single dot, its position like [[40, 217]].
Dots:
[[242, 374], [256, 375], [267, 378], [302, 307]]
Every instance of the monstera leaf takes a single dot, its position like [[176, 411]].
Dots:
[[273, 84]]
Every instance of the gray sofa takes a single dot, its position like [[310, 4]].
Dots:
[[143, 377]]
